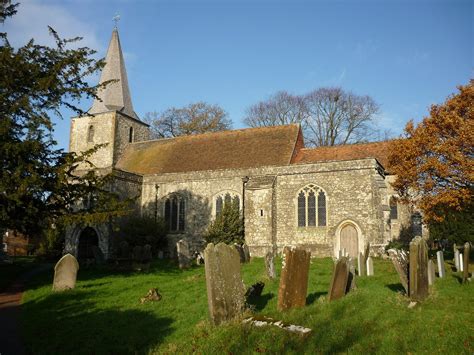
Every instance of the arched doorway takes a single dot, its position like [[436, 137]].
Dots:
[[87, 240], [349, 240]]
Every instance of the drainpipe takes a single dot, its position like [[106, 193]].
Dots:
[[245, 180]]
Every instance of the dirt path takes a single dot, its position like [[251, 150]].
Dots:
[[10, 302]]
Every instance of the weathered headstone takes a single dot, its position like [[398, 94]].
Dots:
[[361, 265], [400, 262], [270, 265], [137, 254], [65, 273], [98, 255], [124, 250], [456, 260], [344, 252], [461, 262], [370, 266], [184, 254], [351, 281], [441, 269], [147, 254], [246, 250], [418, 286], [340, 278], [294, 278], [467, 251], [431, 273], [366, 252], [241, 252], [225, 289]]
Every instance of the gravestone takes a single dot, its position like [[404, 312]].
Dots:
[[431, 273], [461, 262], [270, 265], [65, 273], [246, 250], [361, 265], [456, 260], [441, 269], [400, 262], [98, 255], [370, 266], [339, 254], [184, 254], [467, 251], [294, 278], [137, 254], [339, 280], [160, 254], [147, 254], [344, 252], [418, 279], [351, 281], [124, 250], [366, 252], [225, 289], [241, 252]]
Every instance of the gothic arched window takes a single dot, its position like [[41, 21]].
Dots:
[[393, 208], [130, 135], [90, 134], [175, 213], [311, 207], [226, 198]]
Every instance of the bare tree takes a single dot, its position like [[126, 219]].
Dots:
[[339, 117], [329, 116], [196, 118], [280, 109]]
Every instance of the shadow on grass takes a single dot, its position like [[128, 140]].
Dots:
[[398, 287], [312, 297], [260, 302], [69, 322]]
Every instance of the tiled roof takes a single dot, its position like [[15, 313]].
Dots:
[[244, 148], [377, 150]]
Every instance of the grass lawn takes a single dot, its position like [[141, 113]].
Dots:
[[10, 272], [103, 315]]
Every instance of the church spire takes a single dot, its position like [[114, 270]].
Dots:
[[115, 96]]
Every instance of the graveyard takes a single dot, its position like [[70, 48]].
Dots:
[[106, 313]]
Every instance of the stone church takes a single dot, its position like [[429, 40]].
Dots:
[[324, 199]]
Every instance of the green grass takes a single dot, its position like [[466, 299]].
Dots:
[[103, 315], [10, 272]]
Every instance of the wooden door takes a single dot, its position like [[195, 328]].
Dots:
[[349, 240]]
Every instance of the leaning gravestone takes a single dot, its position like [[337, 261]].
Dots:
[[370, 266], [225, 289], [294, 278], [351, 281], [361, 265], [400, 262], [184, 254], [418, 286], [431, 273], [65, 273], [241, 252], [441, 269], [467, 251], [456, 260], [270, 265], [340, 278]]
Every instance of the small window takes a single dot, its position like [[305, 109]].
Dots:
[[90, 134], [261, 213], [393, 208], [130, 135]]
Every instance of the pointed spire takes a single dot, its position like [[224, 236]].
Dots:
[[115, 96]]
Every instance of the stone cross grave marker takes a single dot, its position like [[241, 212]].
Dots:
[[361, 265], [456, 260], [467, 251], [340, 277], [370, 266], [184, 254], [65, 273], [270, 265], [400, 262], [294, 278], [418, 285], [225, 289], [431, 272], [441, 269]]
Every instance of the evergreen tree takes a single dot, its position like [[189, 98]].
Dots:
[[228, 227]]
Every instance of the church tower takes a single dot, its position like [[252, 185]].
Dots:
[[112, 120]]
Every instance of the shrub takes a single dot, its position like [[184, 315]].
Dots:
[[228, 227], [141, 230]]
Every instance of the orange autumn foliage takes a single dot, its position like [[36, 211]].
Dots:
[[434, 165]]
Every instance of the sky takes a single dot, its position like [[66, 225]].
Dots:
[[405, 54]]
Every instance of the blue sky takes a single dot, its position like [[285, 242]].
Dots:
[[407, 55]]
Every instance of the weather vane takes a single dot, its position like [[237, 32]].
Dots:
[[116, 19]]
